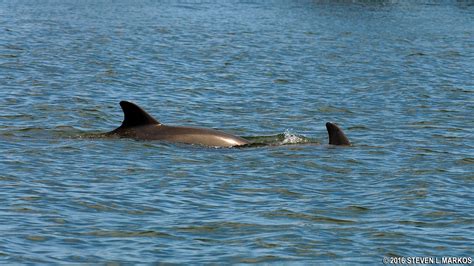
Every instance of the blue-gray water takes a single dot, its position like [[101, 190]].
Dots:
[[397, 76]]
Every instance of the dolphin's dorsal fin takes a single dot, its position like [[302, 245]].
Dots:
[[336, 136], [135, 116]]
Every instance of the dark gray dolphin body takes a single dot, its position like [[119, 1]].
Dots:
[[336, 136], [138, 124]]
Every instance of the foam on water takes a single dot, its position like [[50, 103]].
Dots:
[[291, 138]]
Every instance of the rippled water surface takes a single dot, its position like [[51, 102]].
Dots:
[[397, 76]]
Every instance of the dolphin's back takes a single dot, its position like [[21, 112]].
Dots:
[[138, 124], [200, 136]]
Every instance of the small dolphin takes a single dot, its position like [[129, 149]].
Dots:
[[138, 124], [336, 136]]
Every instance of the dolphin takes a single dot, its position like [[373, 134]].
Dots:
[[336, 136], [139, 125]]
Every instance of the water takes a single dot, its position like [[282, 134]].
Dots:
[[397, 76]]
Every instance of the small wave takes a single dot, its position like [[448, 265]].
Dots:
[[417, 54], [8, 56], [466, 161], [281, 81], [285, 138], [263, 259], [284, 213], [124, 234], [212, 227]]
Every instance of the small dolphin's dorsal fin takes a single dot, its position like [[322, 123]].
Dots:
[[135, 116], [336, 136]]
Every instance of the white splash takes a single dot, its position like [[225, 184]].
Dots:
[[291, 138]]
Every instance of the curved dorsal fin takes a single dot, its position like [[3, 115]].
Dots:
[[336, 136], [135, 116]]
